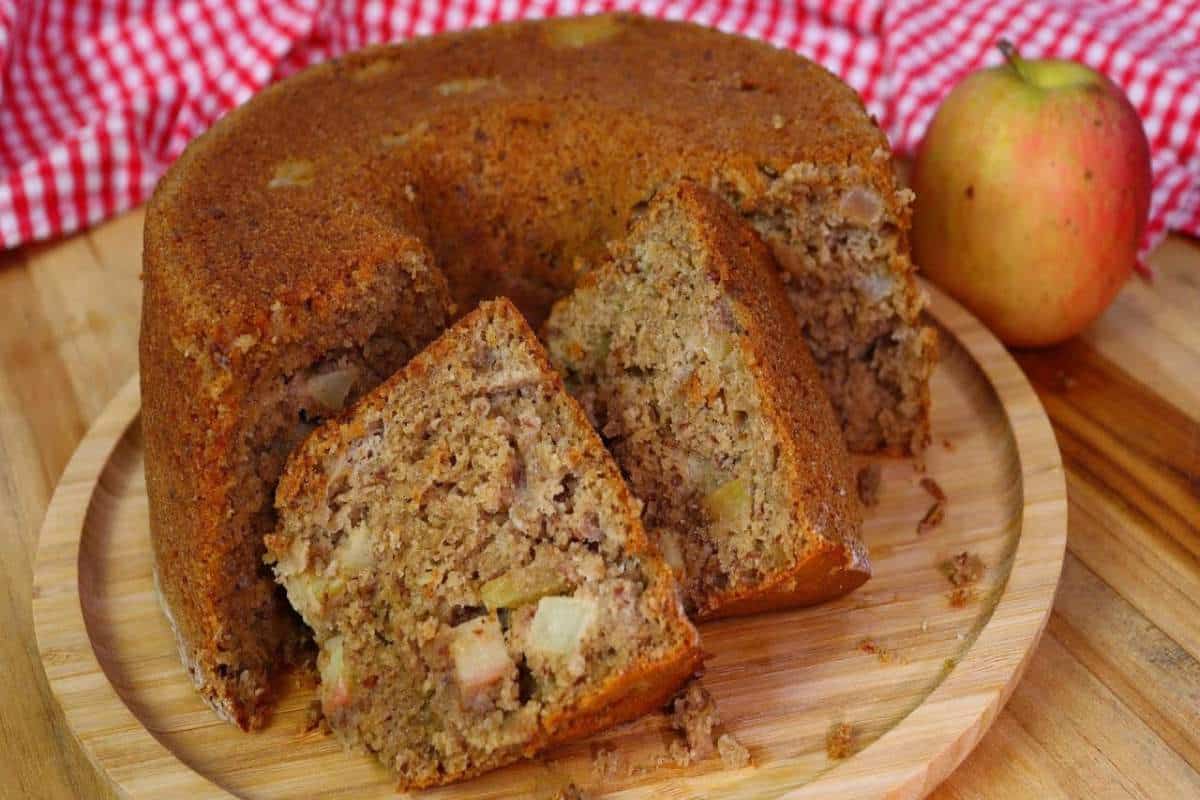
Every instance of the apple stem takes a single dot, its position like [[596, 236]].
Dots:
[[1009, 51]]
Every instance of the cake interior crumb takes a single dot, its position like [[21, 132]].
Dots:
[[837, 247]]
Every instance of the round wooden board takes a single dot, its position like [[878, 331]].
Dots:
[[916, 672]]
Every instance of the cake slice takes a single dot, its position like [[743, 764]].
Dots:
[[689, 359], [472, 566]]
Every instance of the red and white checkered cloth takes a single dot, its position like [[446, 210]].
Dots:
[[99, 96]]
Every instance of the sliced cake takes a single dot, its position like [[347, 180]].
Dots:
[[685, 353], [471, 564]]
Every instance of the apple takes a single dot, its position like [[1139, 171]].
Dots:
[[1033, 186], [480, 655]]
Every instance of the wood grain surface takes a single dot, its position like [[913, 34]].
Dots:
[[1109, 707], [913, 666]]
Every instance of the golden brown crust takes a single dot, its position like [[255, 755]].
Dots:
[[828, 571]]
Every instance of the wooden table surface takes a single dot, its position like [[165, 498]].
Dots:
[[1110, 706]]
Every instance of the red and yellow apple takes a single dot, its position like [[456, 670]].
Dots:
[[1033, 186]]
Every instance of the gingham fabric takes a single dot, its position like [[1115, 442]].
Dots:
[[99, 96]]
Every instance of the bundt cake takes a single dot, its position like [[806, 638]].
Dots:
[[292, 237], [472, 565], [690, 362]]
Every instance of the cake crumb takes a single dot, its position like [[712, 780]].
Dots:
[[937, 512], [314, 719], [884, 654], [607, 763], [870, 478], [839, 741], [777, 122], [963, 569], [948, 445], [694, 714], [961, 597], [934, 489], [570, 792], [933, 517], [734, 754]]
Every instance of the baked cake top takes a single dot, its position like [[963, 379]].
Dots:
[[507, 138]]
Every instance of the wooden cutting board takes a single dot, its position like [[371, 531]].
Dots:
[[915, 669]]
